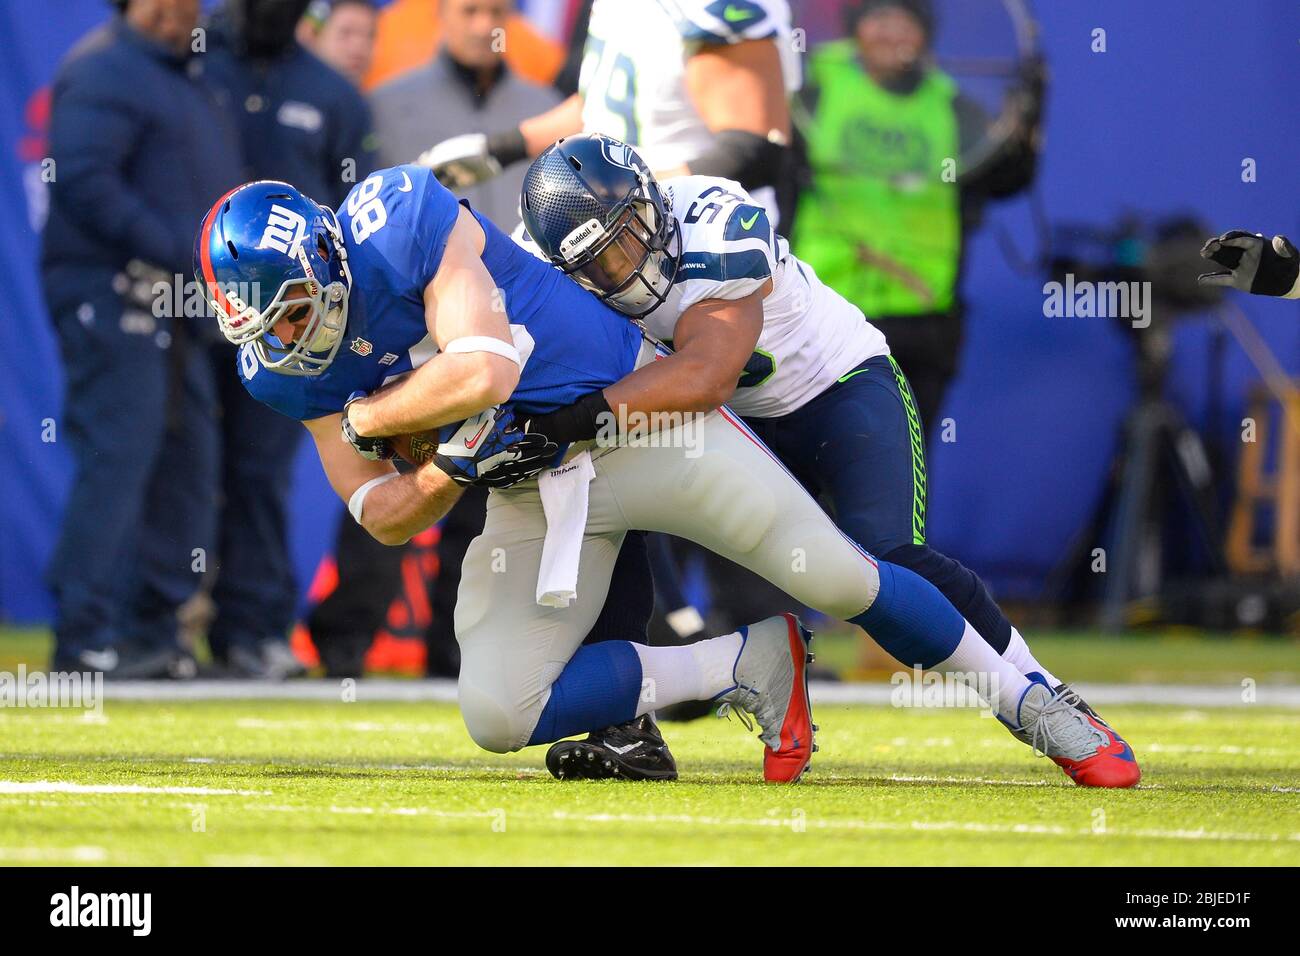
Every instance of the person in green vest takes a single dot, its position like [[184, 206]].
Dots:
[[887, 206]]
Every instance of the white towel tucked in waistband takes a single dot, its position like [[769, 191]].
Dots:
[[564, 501]]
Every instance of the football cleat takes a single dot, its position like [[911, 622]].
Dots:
[[771, 675], [1081, 744], [631, 751], [1061, 690], [1077, 701]]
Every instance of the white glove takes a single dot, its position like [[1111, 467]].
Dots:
[[461, 161]]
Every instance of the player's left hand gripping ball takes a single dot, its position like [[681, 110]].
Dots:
[[489, 449], [372, 449]]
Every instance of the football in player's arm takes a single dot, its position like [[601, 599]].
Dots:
[[450, 387]]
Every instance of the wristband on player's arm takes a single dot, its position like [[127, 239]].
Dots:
[[507, 146], [580, 421], [746, 157]]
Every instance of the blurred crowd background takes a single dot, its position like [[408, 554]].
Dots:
[[1087, 469]]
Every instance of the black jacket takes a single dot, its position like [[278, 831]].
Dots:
[[300, 121], [142, 147]]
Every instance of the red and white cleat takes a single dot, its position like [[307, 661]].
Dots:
[[771, 674], [1090, 753]]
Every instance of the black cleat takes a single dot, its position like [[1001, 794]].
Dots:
[[631, 751]]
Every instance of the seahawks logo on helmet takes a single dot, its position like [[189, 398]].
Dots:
[[593, 207], [620, 154]]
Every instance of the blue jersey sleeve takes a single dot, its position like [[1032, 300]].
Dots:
[[287, 394], [435, 217], [397, 222]]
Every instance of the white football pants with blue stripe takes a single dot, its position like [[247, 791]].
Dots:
[[710, 481]]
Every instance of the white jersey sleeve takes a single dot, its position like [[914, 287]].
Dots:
[[729, 248], [811, 335], [702, 22], [633, 76], [523, 240]]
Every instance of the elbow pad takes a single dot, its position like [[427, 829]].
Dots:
[[748, 158]]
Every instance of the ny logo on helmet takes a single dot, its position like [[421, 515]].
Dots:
[[284, 230]]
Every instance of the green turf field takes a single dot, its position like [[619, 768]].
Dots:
[[286, 782], [1177, 657]]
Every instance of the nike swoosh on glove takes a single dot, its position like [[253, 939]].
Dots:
[[489, 449]]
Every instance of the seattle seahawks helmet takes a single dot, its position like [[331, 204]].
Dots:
[[265, 238], [593, 207]]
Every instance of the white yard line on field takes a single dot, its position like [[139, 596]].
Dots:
[[823, 692], [63, 786], [792, 822], [53, 854]]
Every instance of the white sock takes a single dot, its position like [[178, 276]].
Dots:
[[986, 673], [1018, 654], [699, 671]]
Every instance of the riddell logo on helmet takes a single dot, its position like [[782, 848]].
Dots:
[[284, 230], [582, 238]]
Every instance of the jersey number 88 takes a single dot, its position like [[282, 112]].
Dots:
[[366, 209]]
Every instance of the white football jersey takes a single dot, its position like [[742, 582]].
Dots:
[[811, 334], [633, 78]]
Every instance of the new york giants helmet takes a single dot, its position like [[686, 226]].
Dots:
[[593, 207], [267, 239]]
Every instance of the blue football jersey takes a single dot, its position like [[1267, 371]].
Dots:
[[395, 226]]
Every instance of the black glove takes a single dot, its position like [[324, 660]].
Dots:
[[533, 455], [372, 449], [580, 421], [1255, 264]]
